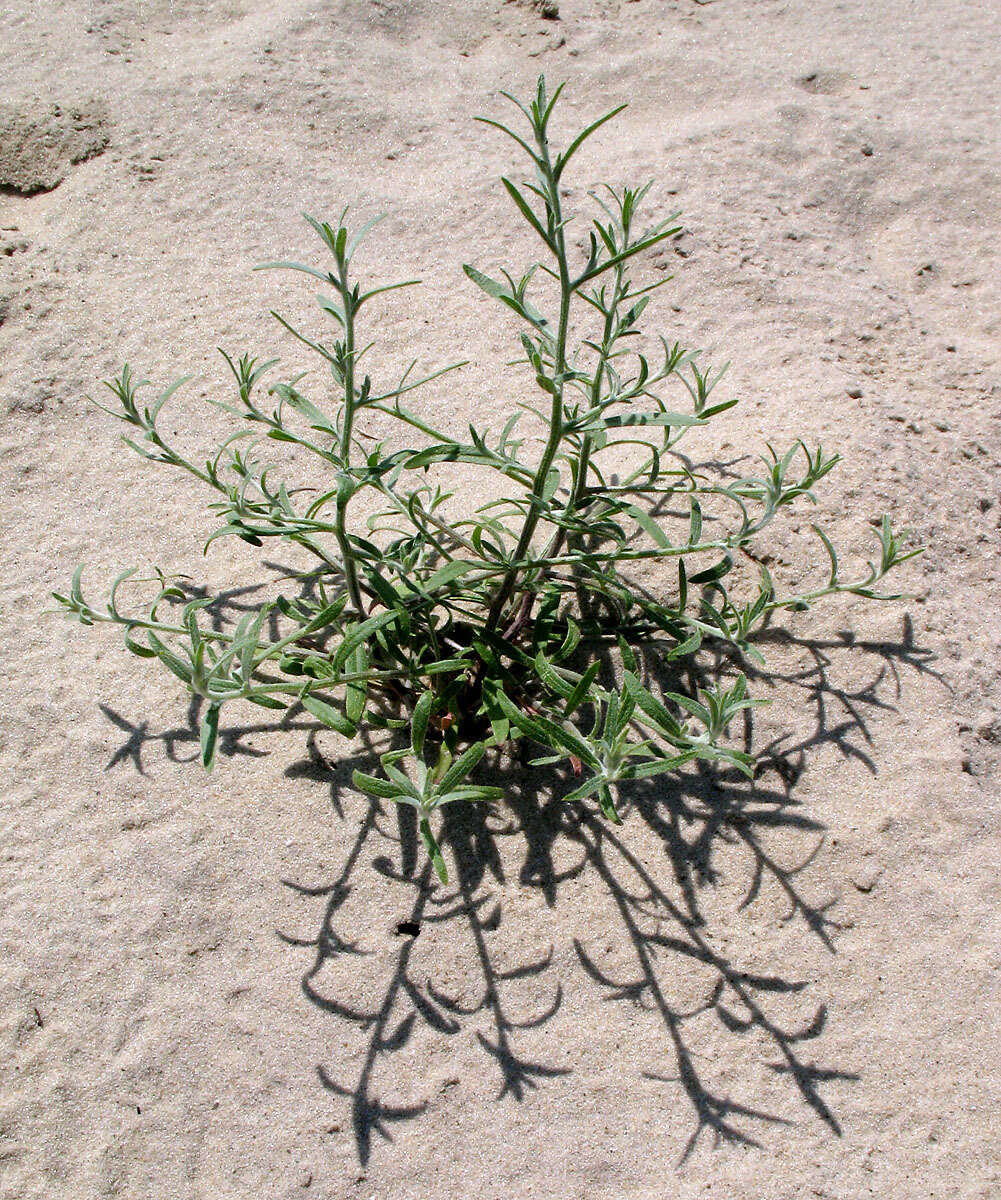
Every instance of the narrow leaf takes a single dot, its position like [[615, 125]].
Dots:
[[419, 722], [374, 786], [328, 715], [209, 735]]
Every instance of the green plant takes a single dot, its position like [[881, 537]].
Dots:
[[477, 630]]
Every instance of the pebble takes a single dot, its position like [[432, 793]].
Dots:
[[987, 727], [866, 876], [855, 392]]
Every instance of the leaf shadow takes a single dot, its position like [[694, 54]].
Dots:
[[539, 844]]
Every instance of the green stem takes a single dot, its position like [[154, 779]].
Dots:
[[584, 458], [556, 413], [347, 421]]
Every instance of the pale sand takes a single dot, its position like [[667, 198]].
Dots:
[[169, 1026]]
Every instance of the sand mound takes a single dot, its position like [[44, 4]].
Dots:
[[40, 142]]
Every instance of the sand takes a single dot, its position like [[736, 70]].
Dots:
[[783, 990]]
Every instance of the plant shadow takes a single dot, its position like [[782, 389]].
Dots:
[[660, 918]]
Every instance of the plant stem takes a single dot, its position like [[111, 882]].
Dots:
[[556, 413], [583, 461], [347, 420]]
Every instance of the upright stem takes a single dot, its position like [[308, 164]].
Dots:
[[583, 461], [347, 420], [556, 412]]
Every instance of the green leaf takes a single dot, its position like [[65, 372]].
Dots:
[[250, 638], [504, 129], [169, 659], [697, 710], [711, 574], [355, 635], [586, 789], [389, 287], [137, 648], [614, 261], [623, 420], [164, 396], [463, 766], [372, 785], [502, 292], [570, 642], [295, 266], [547, 732], [526, 211], [443, 665], [356, 692], [660, 765], [488, 285], [551, 677], [628, 656], [831, 554], [582, 689], [500, 729], [686, 648], [607, 802], [328, 715], [306, 408], [446, 574], [552, 484], [471, 794], [326, 616], [695, 529], [648, 525], [419, 721], [662, 718], [265, 701], [581, 137], [209, 735], [433, 454]]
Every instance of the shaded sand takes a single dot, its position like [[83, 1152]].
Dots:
[[784, 992]]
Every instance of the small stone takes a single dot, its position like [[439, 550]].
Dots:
[[866, 876], [987, 726], [867, 150], [855, 392]]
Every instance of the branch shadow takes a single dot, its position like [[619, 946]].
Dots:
[[541, 844]]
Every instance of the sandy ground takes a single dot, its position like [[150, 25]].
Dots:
[[785, 990]]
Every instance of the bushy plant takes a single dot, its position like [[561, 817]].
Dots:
[[518, 620]]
